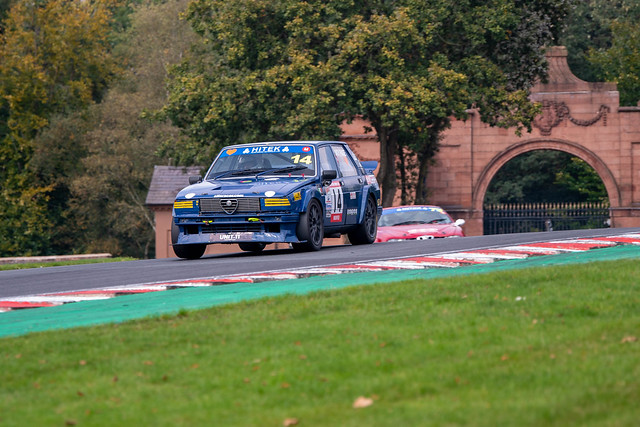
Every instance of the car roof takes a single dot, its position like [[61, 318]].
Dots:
[[410, 207], [314, 143]]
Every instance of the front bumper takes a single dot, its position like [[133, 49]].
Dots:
[[261, 228]]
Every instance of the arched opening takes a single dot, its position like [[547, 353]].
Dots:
[[545, 190]]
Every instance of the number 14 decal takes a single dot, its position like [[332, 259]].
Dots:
[[297, 159], [335, 204]]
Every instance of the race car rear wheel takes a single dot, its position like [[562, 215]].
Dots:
[[310, 228], [365, 233], [252, 246], [185, 251]]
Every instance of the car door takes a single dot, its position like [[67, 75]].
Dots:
[[351, 183], [333, 194]]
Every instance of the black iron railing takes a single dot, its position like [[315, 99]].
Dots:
[[527, 217]]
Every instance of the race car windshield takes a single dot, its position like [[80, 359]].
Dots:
[[407, 217], [260, 160]]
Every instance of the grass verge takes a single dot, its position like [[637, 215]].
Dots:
[[21, 266], [544, 346]]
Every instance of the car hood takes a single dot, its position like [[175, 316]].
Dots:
[[269, 187], [417, 231]]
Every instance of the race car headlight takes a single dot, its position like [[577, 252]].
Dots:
[[183, 204], [277, 202]]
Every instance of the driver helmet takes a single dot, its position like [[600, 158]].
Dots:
[[248, 162]]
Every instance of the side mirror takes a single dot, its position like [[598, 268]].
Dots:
[[328, 175], [369, 166], [195, 179], [459, 222]]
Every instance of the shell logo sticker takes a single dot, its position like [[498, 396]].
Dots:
[[230, 152], [306, 149]]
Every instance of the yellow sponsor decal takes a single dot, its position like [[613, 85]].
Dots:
[[277, 202], [230, 152], [297, 196], [188, 204]]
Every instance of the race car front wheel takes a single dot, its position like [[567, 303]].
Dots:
[[310, 228], [185, 251], [189, 251]]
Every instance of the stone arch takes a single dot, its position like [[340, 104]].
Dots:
[[515, 150]]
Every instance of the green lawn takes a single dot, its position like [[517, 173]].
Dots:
[[20, 266], [544, 346]]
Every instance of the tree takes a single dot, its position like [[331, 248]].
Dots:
[[54, 59], [296, 69], [620, 62], [5, 5], [601, 37], [114, 144]]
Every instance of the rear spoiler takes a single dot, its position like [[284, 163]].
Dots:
[[369, 166]]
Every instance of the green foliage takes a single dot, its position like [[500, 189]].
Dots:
[[620, 63], [5, 5], [581, 181], [602, 41], [290, 69], [546, 176], [54, 59], [56, 160], [24, 223], [107, 198], [77, 158], [252, 78]]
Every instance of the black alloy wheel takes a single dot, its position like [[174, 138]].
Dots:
[[310, 228]]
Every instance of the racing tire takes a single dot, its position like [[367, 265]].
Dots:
[[252, 246], [189, 251], [365, 233], [185, 251], [310, 228]]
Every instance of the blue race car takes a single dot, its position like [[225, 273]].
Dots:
[[292, 191]]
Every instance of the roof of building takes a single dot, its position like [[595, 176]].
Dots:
[[167, 181]]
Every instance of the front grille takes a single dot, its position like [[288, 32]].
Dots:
[[232, 228], [230, 205]]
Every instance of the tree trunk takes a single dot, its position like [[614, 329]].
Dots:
[[387, 174], [422, 192], [404, 185], [425, 158]]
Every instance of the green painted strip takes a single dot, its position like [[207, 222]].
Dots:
[[129, 307]]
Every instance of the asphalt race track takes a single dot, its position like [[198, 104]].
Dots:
[[14, 283]]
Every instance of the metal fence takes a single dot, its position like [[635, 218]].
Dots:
[[527, 217]]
